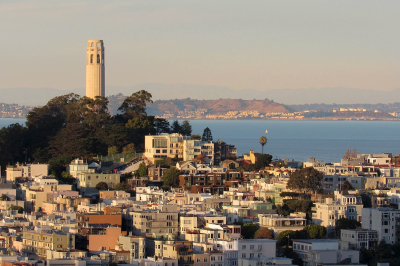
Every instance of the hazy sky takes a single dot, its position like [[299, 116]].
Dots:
[[240, 44]]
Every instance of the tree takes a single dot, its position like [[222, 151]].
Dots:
[[263, 141], [142, 170], [195, 137], [207, 136], [344, 223], [315, 231], [17, 208], [263, 161], [129, 149], [262, 233], [102, 186], [112, 150], [67, 178], [122, 186], [135, 105], [306, 179], [161, 125], [249, 229], [4, 197], [186, 128], [346, 186], [170, 178], [176, 127]]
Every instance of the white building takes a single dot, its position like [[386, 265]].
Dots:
[[382, 220]]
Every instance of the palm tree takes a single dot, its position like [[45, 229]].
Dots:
[[263, 141]]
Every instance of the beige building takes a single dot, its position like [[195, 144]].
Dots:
[[38, 241], [95, 71], [163, 146], [135, 244], [156, 223], [175, 145], [27, 171], [87, 182]]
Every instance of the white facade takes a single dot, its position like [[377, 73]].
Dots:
[[95, 71], [382, 220]]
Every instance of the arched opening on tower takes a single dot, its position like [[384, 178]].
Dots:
[[98, 45], [98, 59], [92, 44], [91, 58]]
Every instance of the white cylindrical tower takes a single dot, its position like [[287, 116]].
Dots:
[[95, 85]]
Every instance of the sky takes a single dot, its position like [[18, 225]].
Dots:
[[258, 44]]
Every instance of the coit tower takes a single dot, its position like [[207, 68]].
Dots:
[[95, 69]]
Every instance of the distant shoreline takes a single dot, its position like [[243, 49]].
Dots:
[[264, 119]]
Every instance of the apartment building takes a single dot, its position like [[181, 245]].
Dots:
[[193, 148], [87, 182], [164, 145], [345, 206], [359, 238], [383, 220], [37, 242], [25, 171], [135, 244], [156, 222], [278, 223]]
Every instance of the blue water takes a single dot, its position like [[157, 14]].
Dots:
[[299, 140], [4, 122]]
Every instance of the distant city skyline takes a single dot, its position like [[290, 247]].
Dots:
[[261, 45]]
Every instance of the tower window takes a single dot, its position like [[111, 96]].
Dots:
[[98, 59], [92, 44], [98, 45], [91, 58]]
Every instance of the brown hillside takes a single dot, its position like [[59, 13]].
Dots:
[[220, 106]]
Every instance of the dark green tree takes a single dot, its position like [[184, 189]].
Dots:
[[344, 223], [135, 105], [171, 178], [4, 197], [195, 137], [207, 135], [129, 149], [13, 144], [102, 186], [263, 161], [305, 180], [17, 208], [142, 170], [249, 229], [112, 150], [176, 127], [186, 128], [315, 231], [123, 186], [161, 125]]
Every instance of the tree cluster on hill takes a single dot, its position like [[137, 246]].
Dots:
[[305, 180], [71, 126]]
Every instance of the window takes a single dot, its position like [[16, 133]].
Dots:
[[244, 247]]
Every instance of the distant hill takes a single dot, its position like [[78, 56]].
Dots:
[[216, 107], [29, 96]]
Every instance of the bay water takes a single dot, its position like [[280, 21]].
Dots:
[[298, 140]]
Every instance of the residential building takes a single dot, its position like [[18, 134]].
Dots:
[[37, 242], [359, 238], [383, 220]]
